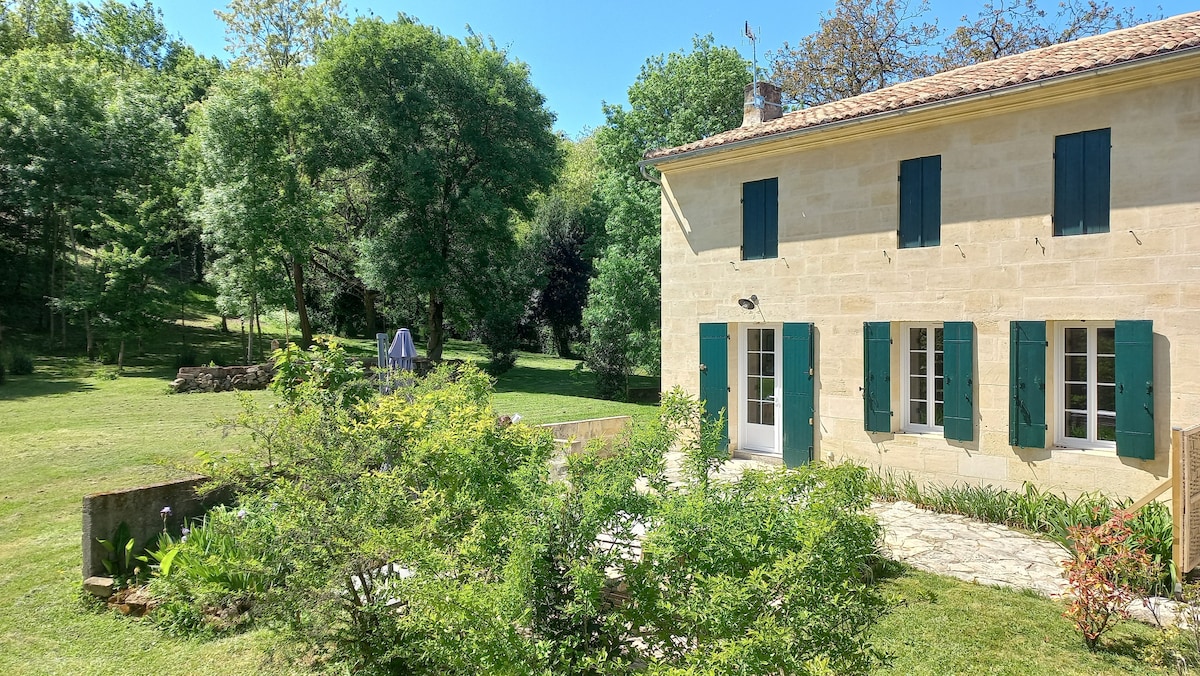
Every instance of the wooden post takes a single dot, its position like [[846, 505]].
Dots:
[[1178, 502]]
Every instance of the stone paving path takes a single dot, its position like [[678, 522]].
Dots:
[[970, 550]]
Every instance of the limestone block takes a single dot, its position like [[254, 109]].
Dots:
[[979, 466], [101, 587]]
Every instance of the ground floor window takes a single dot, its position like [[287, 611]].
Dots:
[[922, 385], [1087, 394]]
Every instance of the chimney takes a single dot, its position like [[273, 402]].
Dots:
[[765, 107]]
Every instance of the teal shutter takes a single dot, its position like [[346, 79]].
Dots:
[[1097, 151], [760, 219], [771, 218], [877, 376], [1027, 384], [1135, 389], [921, 202], [798, 394], [714, 372], [1068, 184], [958, 380]]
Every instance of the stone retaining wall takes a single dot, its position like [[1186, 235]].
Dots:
[[223, 378], [141, 509]]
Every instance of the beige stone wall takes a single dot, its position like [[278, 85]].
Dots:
[[839, 266]]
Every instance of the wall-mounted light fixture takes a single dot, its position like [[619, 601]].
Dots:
[[749, 303]]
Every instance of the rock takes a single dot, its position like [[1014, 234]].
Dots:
[[100, 587], [137, 603]]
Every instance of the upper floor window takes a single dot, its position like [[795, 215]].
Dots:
[[921, 202], [1081, 182], [760, 219]]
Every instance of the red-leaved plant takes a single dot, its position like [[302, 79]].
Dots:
[[1102, 573]]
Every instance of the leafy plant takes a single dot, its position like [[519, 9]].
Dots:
[[1105, 568], [20, 364], [120, 559]]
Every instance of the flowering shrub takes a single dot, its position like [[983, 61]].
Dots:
[[1105, 568]]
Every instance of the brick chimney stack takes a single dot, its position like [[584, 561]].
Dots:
[[771, 108]]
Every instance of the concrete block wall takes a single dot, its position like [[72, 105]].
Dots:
[[998, 261]]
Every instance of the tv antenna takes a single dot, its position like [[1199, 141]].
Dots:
[[759, 102]]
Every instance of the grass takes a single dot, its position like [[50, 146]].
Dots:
[[942, 626], [68, 430]]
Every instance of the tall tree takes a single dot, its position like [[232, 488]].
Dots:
[[458, 139], [279, 35], [26, 24], [860, 46], [677, 98], [1008, 27]]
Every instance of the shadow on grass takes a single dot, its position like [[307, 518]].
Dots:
[[41, 385], [569, 382]]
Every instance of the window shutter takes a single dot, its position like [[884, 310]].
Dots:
[[1135, 389], [1027, 384], [1068, 185], [877, 376], [752, 220], [798, 409], [958, 364], [931, 200], [714, 373], [770, 230], [1097, 147], [910, 203]]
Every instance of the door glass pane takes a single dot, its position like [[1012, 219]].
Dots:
[[1106, 427], [937, 339], [1106, 369], [919, 388], [767, 389], [916, 338], [1106, 397], [1077, 368], [754, 364], [752, 388], [1077, 397], [1105, 341], [768, 414], [753, 340], [917, 363], [938, 414], [1076, 341], [752, 409], [768, 340], [1076, 425], [768, 364], [918, 412], [938, 390]]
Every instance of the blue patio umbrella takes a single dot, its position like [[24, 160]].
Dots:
[[402, 352]]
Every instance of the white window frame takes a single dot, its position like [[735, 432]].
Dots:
[[906, 423], [1060, 378]]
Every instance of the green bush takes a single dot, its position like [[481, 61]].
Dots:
[[415, 533], [3, 377], [187, 357], [20, 364]]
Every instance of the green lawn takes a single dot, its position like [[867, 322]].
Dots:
[[67, 431]]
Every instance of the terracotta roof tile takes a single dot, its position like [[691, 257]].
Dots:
[[1175, 34]]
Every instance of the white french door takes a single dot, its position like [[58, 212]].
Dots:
[[760, 388]]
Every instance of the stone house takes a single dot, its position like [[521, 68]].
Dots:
[[988, 275]]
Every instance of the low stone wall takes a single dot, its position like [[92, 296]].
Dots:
[[141, 509], [223, 378]]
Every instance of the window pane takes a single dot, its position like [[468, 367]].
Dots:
[[938, 390], [768, 340], [937, 339], [1106, 397], [754, 340], [937, 364], [918, 388], [1105, 341], [1076, 341], [917, 363], [918, 413], [752, 415], [1106, 369], [916, 339], [1076, 425], [1077, 397], [754, 364], [768, 364], [938, 415], [1077, 368], [1106, 427], [768, 414]]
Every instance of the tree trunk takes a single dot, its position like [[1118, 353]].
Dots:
[[121, 355], [562, 338], [258, 323], [369, 306], [301, 310], [437, 337], [224, 324], [87, 328]]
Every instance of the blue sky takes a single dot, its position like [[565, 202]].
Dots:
[[581, 54]]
